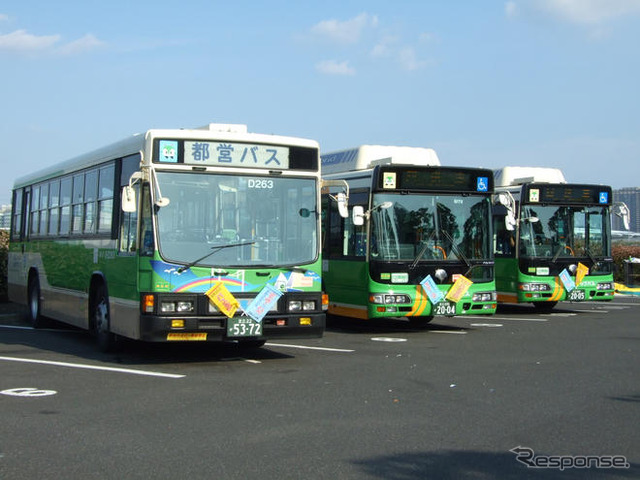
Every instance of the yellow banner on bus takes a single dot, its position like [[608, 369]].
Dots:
[[223, 299], [582, 272], [458, 289]]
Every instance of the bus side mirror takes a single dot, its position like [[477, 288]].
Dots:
[[503, 199], [506, 200], [343, 209], [358, 215], [128, 199]]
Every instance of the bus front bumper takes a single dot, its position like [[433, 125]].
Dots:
[[155, 328]]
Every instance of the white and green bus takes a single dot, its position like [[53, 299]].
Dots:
[[207, 234], [552, 238], [418, 241]]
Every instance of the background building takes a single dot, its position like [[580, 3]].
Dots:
[[630, 196], [5, 217]]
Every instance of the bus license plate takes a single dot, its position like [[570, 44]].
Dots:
[[445, 309], [577, 295], [243, 327]]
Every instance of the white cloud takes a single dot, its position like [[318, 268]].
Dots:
[[590, 11], [381, 44], [583, 12], [511, 9], [345, 32], [333, 67], [20, 41], [385, 46], [409, 60], [406, 56], [84, 44]]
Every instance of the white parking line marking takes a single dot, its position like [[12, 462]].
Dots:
[[93, 367], [388, 339], [595, 310], [519, 319], [303, 347], [241, 359]]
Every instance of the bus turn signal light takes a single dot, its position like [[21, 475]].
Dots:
[[148, 303], [325, 301]]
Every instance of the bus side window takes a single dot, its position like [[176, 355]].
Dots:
[[504, 240], [354, 239], [16, 223], [146, 230]]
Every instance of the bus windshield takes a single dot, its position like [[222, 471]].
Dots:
[[430, 227], [562, 231], [237, 220]]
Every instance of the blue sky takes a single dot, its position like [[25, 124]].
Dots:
[[484, 83]]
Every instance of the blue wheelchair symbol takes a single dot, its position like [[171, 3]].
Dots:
[[604, 197], [483, 184]]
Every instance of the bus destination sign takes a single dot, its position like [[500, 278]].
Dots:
[[444, 179], [569, 194], [224, 154]]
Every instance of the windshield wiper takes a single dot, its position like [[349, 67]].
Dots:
[[290, 268], [562, 249], [557, 254], [422, 251], [591, 257], [458, 251], [216, 249]]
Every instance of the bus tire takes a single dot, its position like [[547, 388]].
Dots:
[[33, 302], [101, 320], [544, 307]]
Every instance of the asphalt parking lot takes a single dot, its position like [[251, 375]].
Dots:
[[516, 395]]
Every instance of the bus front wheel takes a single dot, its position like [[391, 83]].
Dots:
[[101, 320]]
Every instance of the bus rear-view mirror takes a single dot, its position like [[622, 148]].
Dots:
[[128, 199], [343, 209], [358, 215]]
